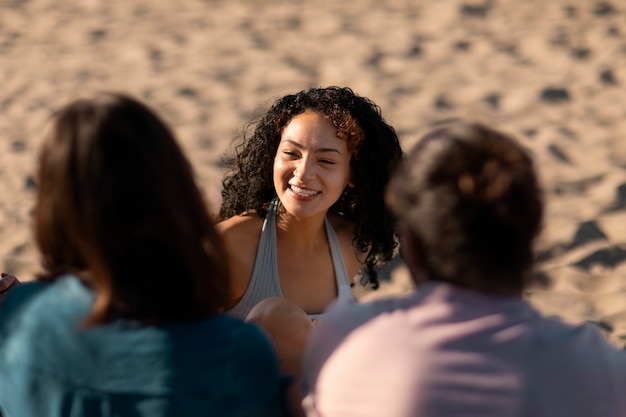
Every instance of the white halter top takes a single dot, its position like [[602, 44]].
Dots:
[[264, 281]]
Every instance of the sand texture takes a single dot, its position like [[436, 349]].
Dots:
[[552, 73]]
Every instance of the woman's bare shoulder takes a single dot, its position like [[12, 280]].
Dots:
[[241, 226], [241, 236]]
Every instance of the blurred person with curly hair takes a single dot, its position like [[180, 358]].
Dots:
[[465, 343]]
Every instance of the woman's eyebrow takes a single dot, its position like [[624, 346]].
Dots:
[[319, 150]]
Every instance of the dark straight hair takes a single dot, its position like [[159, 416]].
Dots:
[[118, 206]]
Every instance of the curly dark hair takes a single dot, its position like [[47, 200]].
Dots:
[[248, 183], [471, 198]]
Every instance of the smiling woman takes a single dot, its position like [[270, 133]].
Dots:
[[312, 166], [303, 212], [313, 171]]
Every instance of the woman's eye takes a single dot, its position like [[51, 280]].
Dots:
[[328, 162], [290, 154]]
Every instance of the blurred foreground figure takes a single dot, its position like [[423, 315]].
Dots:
[[126, 320], [465, 343]]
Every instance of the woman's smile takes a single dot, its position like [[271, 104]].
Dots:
[[303, 191]]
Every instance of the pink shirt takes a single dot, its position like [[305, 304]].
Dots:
[[447, 352]]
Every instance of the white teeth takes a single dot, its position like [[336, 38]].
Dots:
[[303, 191]]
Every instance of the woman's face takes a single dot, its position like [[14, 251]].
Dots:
[[311, 166]]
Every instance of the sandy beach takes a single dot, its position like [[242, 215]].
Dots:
[[553, 74]]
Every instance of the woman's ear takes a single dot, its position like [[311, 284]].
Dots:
[[352, 180]]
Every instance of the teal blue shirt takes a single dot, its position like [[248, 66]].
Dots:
[[50, 367]]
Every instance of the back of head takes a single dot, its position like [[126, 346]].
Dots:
[[118, 205], [470, 198]]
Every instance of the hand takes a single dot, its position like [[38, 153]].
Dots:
[[7, 281]]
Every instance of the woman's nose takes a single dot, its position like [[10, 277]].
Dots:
[[303, 169]]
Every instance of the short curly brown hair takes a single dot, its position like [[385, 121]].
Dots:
[[248, 182], [470, 197]]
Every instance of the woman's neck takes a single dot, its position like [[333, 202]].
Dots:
[[307, 234]]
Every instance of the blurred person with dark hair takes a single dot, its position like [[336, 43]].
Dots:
[[127, 318], [465, 343]]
